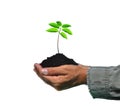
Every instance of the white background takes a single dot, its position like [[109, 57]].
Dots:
[[24, 41]]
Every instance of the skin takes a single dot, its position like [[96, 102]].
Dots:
[[62, 77]]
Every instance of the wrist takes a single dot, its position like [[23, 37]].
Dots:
[[83, 73]]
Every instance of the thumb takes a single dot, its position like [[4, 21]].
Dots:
[[55, 71]]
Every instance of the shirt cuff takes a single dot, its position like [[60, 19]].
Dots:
[[98, 82]]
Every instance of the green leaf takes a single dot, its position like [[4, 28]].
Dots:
[[55, 25], [67, 31], [52, 30], [63, 35], [59, 23], [66, 25]]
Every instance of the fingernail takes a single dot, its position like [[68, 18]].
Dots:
[[45, 71]]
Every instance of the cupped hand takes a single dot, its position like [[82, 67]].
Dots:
[[62, 77]]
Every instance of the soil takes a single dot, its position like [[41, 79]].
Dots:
[[57, 60]]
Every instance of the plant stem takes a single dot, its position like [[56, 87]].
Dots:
[[58, 40]]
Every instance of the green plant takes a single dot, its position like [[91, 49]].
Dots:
[[61, 29]]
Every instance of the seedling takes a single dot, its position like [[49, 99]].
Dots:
[[61, 29], [58, 59]]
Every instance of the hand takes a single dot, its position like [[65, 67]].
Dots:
[[62, 77]]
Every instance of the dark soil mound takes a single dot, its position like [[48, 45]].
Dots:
[[57, 60]]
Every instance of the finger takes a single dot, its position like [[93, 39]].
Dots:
[[55, 80], [37, 66], [38, 69]]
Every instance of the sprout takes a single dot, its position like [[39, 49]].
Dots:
[[61, 29]]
